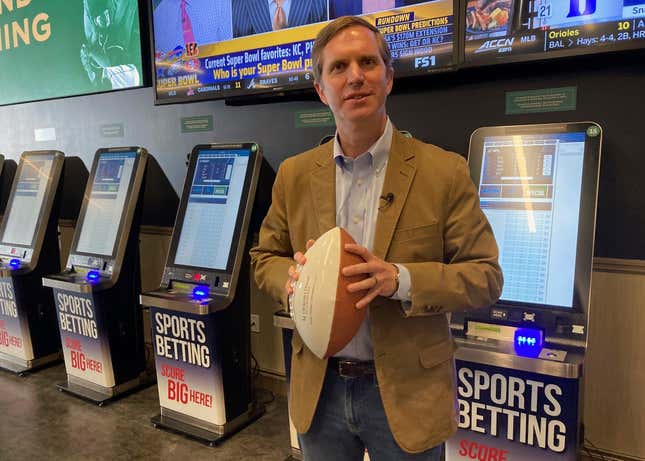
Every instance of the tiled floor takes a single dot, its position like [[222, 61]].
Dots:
[[37, 422]]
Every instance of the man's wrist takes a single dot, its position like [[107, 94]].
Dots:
[[397, 282]]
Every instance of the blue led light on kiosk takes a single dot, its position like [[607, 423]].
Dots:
[[200, 292], [14, 263], [93, 276], [528, 342]]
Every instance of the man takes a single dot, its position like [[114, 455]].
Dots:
[[415, 215], [257, 16], [112, 43]]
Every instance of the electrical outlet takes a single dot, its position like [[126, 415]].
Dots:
[[255, 323]]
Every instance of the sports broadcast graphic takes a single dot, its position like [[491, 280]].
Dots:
[[218, 49], [514, 30]]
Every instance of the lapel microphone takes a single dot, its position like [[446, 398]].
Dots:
[[388, 199]]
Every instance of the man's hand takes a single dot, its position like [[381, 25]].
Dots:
[[382, 280], [300, 259]]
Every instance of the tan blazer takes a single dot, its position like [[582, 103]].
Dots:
[[434, 226]]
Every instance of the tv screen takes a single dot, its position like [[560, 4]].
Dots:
[[29, 192], [517, 30], [111, 184], [531, 190], [209, 49], [213, 206], [57, 48]]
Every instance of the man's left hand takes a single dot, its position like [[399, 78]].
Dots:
[[382, 275]]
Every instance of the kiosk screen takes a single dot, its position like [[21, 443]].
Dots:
[[214, 201], [110, 187], [28, 198], [530, 190]]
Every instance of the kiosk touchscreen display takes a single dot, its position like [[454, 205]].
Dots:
[[110, 187], [28, 198], [212, 208], [530, 190]]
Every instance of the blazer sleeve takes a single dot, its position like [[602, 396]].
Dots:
[[470, 275], [273, 255]]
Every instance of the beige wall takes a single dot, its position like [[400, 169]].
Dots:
[[614, 400]]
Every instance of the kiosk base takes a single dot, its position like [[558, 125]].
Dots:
[[20, 367], [211, 434], [102, 395]]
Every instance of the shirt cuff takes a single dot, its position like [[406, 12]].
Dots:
[[405, 285]]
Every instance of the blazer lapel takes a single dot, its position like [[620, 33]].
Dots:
[[323, 189], [400, 172]]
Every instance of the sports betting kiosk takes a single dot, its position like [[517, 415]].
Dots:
[[200, 314], [47, 187], [520, 361], [7, 172], [99, 319]]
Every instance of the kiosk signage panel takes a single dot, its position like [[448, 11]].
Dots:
[[189, 368], [15, 339], [512, 414], [104, 212], [86, 352]]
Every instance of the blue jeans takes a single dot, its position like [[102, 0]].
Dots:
[[349, 419]]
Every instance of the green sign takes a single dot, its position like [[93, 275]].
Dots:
[[311, 118], [55, 48], [545, 100], [593, 131], [198, 123], [113, 130]]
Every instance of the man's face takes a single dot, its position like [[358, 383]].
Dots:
[[354, 81]]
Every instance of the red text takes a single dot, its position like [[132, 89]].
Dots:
[[180, 392], [80, 362], [481, 452]]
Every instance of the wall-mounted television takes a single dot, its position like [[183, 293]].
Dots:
[[212, 49], [499, 31], [56, 48]]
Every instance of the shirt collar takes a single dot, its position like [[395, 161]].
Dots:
[[378, 152]]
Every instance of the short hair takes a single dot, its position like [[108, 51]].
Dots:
[[334, 28]]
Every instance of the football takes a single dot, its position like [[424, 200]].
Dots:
[[324, 312]]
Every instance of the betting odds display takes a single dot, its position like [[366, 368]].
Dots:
[[517, 30], [207, 49]]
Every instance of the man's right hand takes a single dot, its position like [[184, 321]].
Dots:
[[300, 260]]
